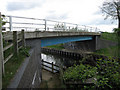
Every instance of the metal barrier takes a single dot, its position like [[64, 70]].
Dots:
[[34, 24]]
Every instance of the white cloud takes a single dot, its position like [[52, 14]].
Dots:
[[83, 12]]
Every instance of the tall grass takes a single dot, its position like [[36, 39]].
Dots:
[[109, 51], [109, 36], [12, 66], [58, 46]]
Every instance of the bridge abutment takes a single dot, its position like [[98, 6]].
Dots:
[[86, 45]]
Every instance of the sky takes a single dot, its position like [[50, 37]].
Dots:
[[83, 12]]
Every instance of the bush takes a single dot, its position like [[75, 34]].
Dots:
[[106, 73], [79, 73]]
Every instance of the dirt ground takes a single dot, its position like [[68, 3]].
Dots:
[[50, 80]]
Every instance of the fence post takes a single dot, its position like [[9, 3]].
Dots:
[[10, 23], [45, 24], [76, 27], [2, 71], [96, 29], [42, 62], [52, 68], [61, 73], [15, 43], [64, 26], [23, 38], [91, 29]]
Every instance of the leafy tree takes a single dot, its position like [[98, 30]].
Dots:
[[2, 20], [111, 8]]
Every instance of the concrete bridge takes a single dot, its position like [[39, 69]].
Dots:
[[29, 74], [30, 71], [48, 38]]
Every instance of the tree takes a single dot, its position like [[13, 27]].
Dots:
[[111, 8]]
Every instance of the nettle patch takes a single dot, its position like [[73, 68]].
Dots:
[[106, 74]]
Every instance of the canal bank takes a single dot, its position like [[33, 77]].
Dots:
[[72, 56], [56, 58]]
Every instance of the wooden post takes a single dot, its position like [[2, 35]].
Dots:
[[1, 48], [2, 71], [23, 38], [52, 68], [61, 74], [15, 44]]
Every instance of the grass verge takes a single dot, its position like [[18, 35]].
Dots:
[[110, 51], [109, 36], [58, 46], [12, 66]]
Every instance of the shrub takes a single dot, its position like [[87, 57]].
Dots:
[[106, 73], [79, 72]]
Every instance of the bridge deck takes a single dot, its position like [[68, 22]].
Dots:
[[43, 34]]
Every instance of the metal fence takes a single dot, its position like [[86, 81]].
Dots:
[[15, 23]]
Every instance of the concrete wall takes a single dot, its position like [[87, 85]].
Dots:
[[87, 45], [105, 43], [90, 45]]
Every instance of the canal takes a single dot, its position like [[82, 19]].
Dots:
[[59, 60]]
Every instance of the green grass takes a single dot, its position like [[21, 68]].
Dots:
[[109, 36], [110, 51], [8, 52], [12, 66], [58, 46]]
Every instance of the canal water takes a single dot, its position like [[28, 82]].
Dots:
[[58, 60]]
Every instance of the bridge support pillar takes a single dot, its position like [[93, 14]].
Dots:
[[96, 40]]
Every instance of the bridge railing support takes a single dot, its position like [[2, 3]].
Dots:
[[45, 24], [10, 23]]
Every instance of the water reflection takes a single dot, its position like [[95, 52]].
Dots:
[[59, 60]]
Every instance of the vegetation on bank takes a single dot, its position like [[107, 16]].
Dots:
[[109, 36], [109, 51], [105, 75], [12, 66], [58, 46]]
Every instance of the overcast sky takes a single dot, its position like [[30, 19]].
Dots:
[[83, 12]]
